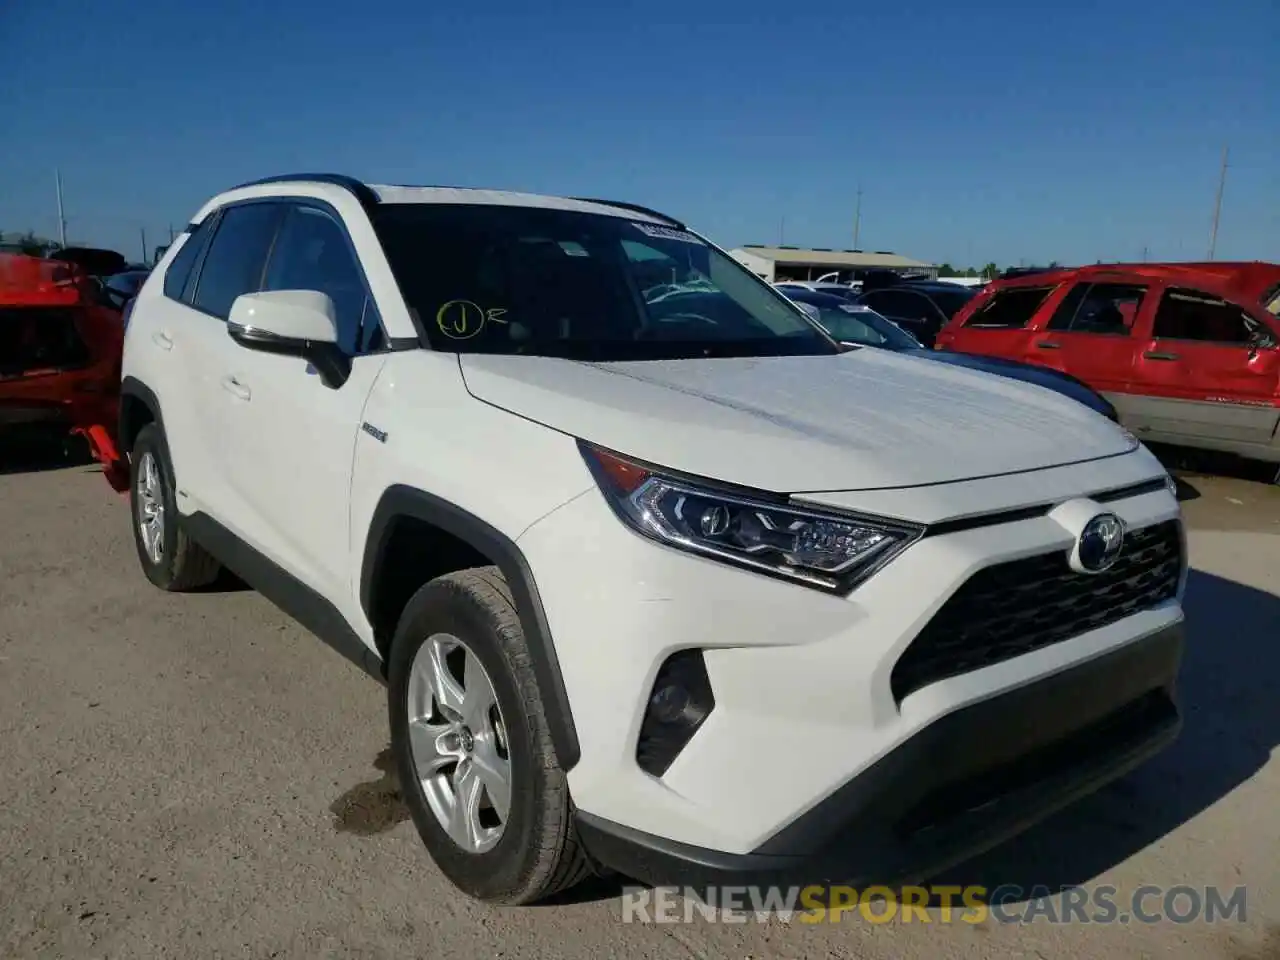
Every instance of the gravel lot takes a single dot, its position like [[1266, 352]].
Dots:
[[195, 776]]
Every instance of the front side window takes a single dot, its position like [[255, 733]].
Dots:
[[1009, 309], [237, 254], [1105, 308], [312, 253], [520, 280], [1190, 315]]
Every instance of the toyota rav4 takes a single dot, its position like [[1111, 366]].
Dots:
[[660, 579]]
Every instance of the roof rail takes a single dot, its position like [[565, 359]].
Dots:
[[361, 192], [635, 207]]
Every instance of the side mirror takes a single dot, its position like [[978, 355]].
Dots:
[[293, 323]]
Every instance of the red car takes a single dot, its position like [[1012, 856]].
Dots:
[[60, 349], [1188, 353]]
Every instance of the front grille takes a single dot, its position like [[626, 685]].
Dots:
[[1014, 608]]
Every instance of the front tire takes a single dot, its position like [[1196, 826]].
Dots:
[[169, 557], [472, 749]]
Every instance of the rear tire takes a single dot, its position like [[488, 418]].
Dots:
[[170, 558], [469, 621]]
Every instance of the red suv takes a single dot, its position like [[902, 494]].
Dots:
[[60, 350], [1188, 353]]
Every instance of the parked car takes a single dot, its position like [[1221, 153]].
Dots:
[[859, 325], [617, 561], [118, 289], [60, 350], [1187, 353], [921, 307], [843, 290]]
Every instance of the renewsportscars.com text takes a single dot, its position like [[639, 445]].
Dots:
[[1102, 904]]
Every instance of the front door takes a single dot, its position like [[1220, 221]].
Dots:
[[1207, 374], [1090, 335], [291, 438]]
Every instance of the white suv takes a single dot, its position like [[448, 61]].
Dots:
[[660, 579]]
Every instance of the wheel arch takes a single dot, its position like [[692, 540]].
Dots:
[[138, 407], [400, 503]]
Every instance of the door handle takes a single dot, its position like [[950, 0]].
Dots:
[[236, 388], [162, 340], [1157, 355], [1048, 345]]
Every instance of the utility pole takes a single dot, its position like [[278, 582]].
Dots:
[[1217, 205], [62, 220], [171, 234], [857, 218], [782, 231], [143, 231]]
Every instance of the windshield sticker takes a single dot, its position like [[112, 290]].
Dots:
[[462, 319], [854, 308], [666, 233], [573, 249]]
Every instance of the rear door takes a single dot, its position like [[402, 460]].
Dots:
[[1090, 335], [1207, 374], [231, 264], [1002, 325]]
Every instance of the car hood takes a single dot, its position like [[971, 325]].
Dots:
[[867, 419], [1028, 373]]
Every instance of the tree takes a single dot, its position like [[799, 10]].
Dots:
[[32, 245], [990, 271], [946, 270], [970, 272]]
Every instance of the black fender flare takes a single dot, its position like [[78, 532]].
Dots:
[[404, 501], [136, 389]]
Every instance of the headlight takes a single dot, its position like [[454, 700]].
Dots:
[[761, 531]]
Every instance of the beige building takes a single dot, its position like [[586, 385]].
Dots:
[[795, 263]]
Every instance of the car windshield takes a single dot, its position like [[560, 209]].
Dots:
[[862, 325], [547, 282]]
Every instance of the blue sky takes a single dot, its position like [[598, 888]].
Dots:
[[979, 131]]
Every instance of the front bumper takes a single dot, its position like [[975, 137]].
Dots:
[[802, 681], [960, 786]]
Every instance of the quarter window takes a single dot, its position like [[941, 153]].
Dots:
[[1009, 309], [236, 256], [1190, 315], [312, 253], [176, 276], [1108, 308]]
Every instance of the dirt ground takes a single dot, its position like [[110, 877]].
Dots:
[[195, 776]]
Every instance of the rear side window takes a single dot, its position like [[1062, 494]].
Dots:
[[236, 256], [1107, 308], [1190, 315], [1009, 309], [175, 278]]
